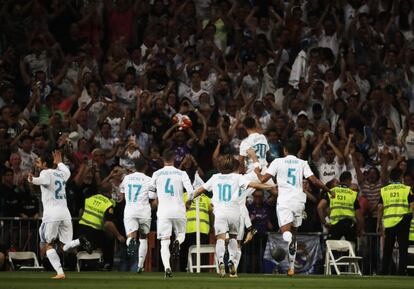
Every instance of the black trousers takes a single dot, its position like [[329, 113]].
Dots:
[[344, 228], [399, 232], [190, 239], [99, 240]]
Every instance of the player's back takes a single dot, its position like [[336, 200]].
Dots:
[[290, 172], [54, 194], [227, 193], [259, 144], [135, 187], [170, 184]]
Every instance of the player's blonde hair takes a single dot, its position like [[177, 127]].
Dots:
[[226, 164]]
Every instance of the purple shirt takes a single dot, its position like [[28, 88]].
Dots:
[[260, 217]]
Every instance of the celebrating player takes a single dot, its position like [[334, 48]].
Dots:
[[226, 187], [137, 213], [289, 172], [170, 183], [57, 221]]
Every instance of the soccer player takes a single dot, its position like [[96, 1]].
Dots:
[[259, 144], [170, 183], [289, 172], [228, 190], [137, 213], [57, 221]]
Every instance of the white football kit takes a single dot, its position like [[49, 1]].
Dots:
[[259, 144], [169, 184], [289, 172], [137, 212], [228, 192], [56, 221]]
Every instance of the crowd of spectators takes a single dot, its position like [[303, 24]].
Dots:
[[102, 81]]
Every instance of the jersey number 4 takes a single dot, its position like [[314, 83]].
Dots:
[[60, 190], [169, 188], [136, 193]]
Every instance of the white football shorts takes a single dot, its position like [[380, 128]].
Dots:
[[166, 226], [51, 231], [142, 225]]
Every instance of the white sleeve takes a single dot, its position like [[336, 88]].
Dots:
[[307, 172], [152, 187], [208, 186], [43, 179], [64, 169], [243, 182], [243, 149], [187, 183], [122, 187], [272, 169]]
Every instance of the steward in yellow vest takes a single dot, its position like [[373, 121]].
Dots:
[[411, 236], [394, 214], [190, 236], [345, 218], [98, 217]]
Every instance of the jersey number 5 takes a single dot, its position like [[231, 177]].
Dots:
[[60, 185], [291, 177], [169, 188]]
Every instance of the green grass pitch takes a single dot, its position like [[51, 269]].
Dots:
[[115, 280]]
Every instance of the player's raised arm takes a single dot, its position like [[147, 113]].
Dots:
[[260, 186], [42, 180], [263, 178], [58, 161], [187, 183]]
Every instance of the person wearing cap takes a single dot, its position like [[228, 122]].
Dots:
[[302, 123]]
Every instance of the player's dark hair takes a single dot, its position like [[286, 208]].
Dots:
[[140, 164], [168, 155], [25, 137], [395, 175], [291, 146], [249, 122], [226, 164], [345, 177]]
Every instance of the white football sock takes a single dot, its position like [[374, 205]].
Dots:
[[142, 252], [54, 260], [72, 244], [220, 250], [238, 257], [165, 253], [180, 238], [292, 258], [128, 240], [233, 246]]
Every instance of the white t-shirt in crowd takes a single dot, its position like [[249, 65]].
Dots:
[[330, 171]]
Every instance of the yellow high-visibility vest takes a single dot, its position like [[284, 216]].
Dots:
[[204, 215], [95, 208], [395, 201], [342, 205], [411, 238]]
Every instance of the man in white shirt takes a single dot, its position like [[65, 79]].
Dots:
[[289, 172], [170, 184], [137, 213], [228, 191], [56, 221]]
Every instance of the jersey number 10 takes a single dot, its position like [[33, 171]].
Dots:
[[224, 192]]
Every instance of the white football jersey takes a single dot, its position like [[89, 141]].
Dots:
[[52, 184], [259, 143], [228, 191], [170, 184], [135, 188], [289, 172]]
